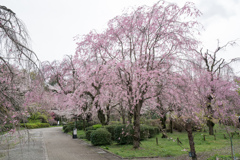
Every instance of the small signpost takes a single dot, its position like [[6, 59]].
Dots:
[[74, 133]]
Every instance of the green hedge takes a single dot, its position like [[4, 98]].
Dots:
[[147, 131], [34, 125], [88, 134], [94, 127], [71, 125], [144, 132], [111, 129], [100, 137], [123, 134]]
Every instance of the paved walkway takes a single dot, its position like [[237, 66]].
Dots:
[[61, 146], [53, 144]]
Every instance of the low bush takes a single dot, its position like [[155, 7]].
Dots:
[[111, 129], [94, 127], [123, 134], [34, 125], [115, 123], [6, 127], [147, 131], [100, 137], [34, 121], [43, 118], [153, 131], [70, 126], [88, 134], [144, 132]]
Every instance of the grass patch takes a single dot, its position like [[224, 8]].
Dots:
[[170, 148]]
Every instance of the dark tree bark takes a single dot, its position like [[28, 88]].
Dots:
[[210, 123], [191, 141], [101, 117], [171, 125], [163, 121], [108, 115], [123, 114], [130, 115], [136, 136]]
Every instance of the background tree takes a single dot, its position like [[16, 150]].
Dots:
[[141, 47], [16, 61]]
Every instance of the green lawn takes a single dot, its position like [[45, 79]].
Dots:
[[169, 147]]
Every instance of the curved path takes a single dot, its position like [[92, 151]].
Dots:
[[53, 144]]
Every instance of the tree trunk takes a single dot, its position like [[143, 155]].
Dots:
[[210, 125], [84, 124], [171, 125], [191, 141], [130, 117], [123, 114], [123, 118], [108, 116], [101, 117], [136, 136], [163, 121]]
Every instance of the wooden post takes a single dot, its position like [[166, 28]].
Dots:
[[204, 137], [157, 141], [178, 141], [214, 136]]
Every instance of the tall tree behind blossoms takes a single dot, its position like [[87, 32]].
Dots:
[[62, 76], [142, 47], [16, 61], [95, 77], [214, 71], [195, 83]]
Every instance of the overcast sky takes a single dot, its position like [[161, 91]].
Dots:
[[52, 24]]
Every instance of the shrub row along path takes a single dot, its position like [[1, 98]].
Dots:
[[53, 144]]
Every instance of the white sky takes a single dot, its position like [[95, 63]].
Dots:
[[52, 24]]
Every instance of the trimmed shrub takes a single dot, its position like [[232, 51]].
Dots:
[[34, 125], [43, 118], [94, 127], [111, 129], [68, 128], [100, 137], [123, 134], [153, 131], [147, 131], [42, 125], [144, 132], [71, 125], [88, 134], [115, 123]]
